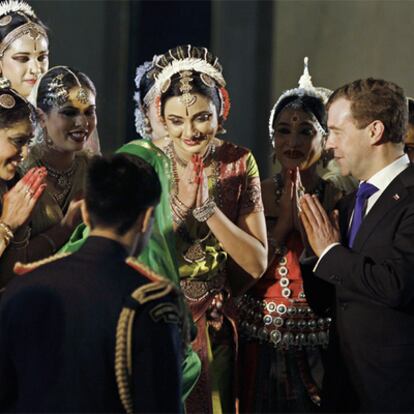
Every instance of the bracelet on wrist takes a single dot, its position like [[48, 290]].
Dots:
[[179, 210], [6, 233], [205, 211]]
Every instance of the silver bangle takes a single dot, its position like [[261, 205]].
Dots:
[[205, 211]]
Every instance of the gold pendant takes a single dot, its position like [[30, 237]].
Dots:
[[195, 253]]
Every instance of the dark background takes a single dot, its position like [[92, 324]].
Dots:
[[108, 39], [261, 45]]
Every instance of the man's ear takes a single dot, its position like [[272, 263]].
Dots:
[[376, 132], [42, 117], [144, 220], [85, 215]]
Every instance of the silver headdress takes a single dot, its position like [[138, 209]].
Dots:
[[187, 63], [30, 28], [142, 71], [305, 88], [210, 74], [13, 6], [57, 93]]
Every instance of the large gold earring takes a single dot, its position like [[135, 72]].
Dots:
[[221, 130], [47, 140], [4, 83]]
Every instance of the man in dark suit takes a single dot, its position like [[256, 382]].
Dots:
[[95, 331], [366, 253]]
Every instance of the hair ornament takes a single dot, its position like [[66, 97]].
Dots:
[[225, 103], [4, 83], [30, 28], [207, 80], [13, 6], [82, 95], [7, 101], [305, 87], [186, 64], [57, 93], [5, 20], [185, 88], [166, 85], [140, 119]]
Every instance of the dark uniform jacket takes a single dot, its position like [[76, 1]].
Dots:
[[371, 291], [57, 337]]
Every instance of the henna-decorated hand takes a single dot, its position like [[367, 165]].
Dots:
[[19, 202]]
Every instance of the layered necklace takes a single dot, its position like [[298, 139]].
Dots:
[[63, 180], [196, 252]]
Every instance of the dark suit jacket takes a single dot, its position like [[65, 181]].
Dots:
[[57, 338], [371, 292]]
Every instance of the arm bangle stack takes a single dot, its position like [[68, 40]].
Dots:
[[179, 210], [205, 211]]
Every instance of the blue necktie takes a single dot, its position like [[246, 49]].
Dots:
[[364, 192]]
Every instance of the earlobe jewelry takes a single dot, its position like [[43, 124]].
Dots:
[[48, 141], [4, 83], [147, 126]]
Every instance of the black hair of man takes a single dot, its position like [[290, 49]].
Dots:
[[118, 190]]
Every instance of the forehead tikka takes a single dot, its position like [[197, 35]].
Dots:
[[33, 30], [58, 93], [186, 98]]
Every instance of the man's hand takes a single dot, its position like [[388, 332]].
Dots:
[[320, 229]]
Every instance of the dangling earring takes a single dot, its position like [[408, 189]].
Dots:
[[221, 130], [147, 126], [47, 140], [4, 83]]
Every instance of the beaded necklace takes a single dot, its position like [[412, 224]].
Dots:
[[63, 179], [196, 252]]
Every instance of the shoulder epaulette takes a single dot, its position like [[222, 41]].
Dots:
[[158, 287], [23, 268], [144, 270]]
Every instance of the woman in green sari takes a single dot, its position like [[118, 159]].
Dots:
[[217, 212], [159, 253]]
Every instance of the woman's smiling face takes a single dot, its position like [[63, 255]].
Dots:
[[191, 127], [297, 138]]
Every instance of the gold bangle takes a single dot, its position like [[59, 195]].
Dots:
[[7, 229]]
